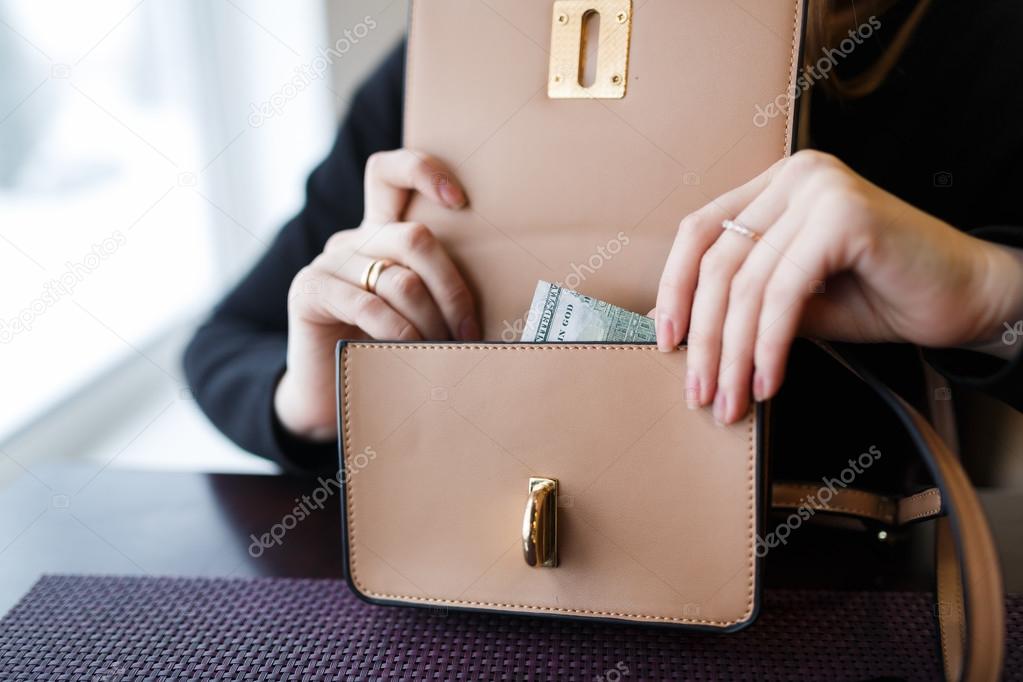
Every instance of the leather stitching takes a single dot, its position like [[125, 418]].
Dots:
[[751, 519], [929, 511], [850, 510], [346, 412], [873, 511], [502, 346], [943, 625], [793, 66], [844, 491], [871, 508]]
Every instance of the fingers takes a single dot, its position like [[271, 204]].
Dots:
[[415, 247], [706, 348], [717, 266], [429, 291], [327, 299], [800, 274], [404, 290], [678, 281], [695, 235], [391, 176], [739, 332]]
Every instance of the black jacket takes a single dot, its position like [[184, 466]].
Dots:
[[944, 133]]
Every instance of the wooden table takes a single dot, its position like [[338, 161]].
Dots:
[[81, 519]]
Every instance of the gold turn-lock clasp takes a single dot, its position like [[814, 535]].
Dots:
[[569, 50], [540, 523]]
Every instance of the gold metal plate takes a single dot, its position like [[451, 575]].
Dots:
[[540, 523], [568, 45]]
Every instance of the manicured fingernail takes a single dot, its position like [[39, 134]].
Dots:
[[665, 334], [692, 391], [469, 330], [720, 408], [452, 195], [758, 387]]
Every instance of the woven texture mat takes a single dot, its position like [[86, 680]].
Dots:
[[123, 628]]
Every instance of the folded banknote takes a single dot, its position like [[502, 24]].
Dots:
[[559, 315]]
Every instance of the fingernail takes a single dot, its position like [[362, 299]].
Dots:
[[665, 334], [452, 195], [758, 387], [720, 408], [692, 391], [469, 330]]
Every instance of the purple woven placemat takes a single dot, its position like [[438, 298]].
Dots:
[[124, 628]]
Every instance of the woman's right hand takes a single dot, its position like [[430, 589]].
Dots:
[[421, 296]]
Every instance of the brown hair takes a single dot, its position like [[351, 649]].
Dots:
[[828, 23]]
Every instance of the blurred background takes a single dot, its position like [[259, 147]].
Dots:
[[149, 151]]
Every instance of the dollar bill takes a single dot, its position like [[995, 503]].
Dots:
[[559, 315]]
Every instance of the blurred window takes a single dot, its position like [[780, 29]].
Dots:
[[128, 192]]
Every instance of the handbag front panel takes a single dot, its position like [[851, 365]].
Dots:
[[657, 511]]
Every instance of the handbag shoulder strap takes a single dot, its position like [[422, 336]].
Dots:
[[970, 593], [860, 504]]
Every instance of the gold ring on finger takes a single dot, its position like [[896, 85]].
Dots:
[[371, 275]]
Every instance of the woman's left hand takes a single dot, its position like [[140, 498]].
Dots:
[[838, 258]]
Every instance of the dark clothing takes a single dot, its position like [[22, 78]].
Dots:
[[238, 354], [943, 133]]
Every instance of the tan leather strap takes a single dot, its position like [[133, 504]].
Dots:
[[925, 504], [861, 504], [950, 605], [969, 548]]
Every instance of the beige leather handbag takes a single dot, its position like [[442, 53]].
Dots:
[[569, 479]]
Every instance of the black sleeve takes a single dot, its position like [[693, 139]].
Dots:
[[1000, 378], [236, 357]]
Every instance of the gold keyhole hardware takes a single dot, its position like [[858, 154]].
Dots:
[[569, 53], [540, 523]]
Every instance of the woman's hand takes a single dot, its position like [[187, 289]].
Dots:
[[421, 296], [836, 258]]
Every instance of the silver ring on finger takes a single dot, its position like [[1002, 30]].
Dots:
[[740, 229]]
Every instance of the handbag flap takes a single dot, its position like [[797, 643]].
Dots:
[[658, 506], [589, 192]]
